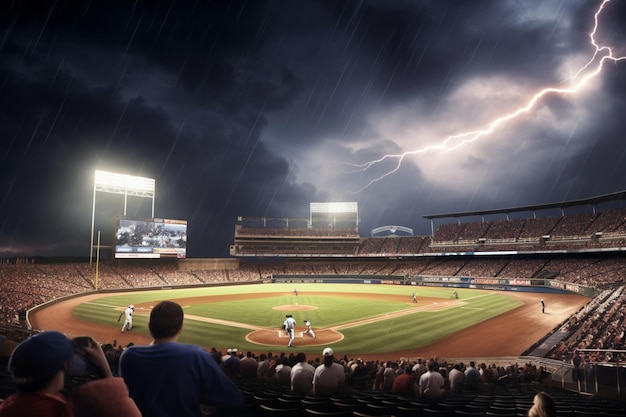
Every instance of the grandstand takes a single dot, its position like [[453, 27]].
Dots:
[[578, 253]]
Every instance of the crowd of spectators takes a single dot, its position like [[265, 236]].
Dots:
[[284, 380], [572, 231], [25, 285], [600, 325]]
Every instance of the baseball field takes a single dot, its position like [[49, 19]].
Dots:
[[355, 319]]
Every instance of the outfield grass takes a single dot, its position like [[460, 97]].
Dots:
[[392, 334]]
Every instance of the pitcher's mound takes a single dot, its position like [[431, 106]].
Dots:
[[272, 337]]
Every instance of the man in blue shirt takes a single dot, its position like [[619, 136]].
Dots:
[[168, 378]]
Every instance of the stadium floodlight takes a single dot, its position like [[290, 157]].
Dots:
[[338, 207], [127, 185], [110, 182], [329, 212]]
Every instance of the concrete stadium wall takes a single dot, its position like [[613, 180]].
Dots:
[[418, 281]]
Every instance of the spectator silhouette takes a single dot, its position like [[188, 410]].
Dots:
[[329, 378], [431, 384], [168, 378], [39, 366], [543, 406], [302, 376]]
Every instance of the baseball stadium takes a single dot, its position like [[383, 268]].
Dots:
[[522, 296]]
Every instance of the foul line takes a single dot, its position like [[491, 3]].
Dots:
[[224, 322]]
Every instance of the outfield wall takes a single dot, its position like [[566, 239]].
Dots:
[[497, 284]]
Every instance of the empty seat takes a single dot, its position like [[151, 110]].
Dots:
[[319, 404], [316, 413], [366, 414], [378, 409], [281, 412], [407, 411], [468, 413], [438, 412], [346, 406]]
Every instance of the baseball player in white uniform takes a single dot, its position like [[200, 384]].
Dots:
[[128, 315], [290, 325], [309, 329]]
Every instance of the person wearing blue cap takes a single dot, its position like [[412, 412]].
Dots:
[[39, 365]]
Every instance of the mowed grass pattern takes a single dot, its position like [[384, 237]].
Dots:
[[411, 331]]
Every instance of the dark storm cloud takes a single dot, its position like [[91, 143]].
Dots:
[[61, 128], [257, 108]]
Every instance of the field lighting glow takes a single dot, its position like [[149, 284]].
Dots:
[[339, 207], [127, 185], [121, 183]]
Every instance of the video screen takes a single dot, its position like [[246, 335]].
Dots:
[[151, 238]]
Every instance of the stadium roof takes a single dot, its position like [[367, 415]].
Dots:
[[621, 195]]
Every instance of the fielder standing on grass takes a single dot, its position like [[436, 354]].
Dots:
[[128, 314]]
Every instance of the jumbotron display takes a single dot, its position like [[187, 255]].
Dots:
[[150, 238]]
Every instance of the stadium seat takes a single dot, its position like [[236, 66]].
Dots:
[[284, 402], [467, 413], [366, 414], [318, 404], [317, 413], [394, 402], [269, 400], [281, 412], [407, 411], [346, 406], [475, 407], [438, 412], [378, 409], [502, 410]]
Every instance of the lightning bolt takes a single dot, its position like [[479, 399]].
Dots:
[[590, 70]]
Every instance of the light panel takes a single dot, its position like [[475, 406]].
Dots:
[[338, 207], [110, 180]]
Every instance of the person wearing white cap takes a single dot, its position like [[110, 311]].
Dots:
[[329, 378], [232, 364], [128, 318]]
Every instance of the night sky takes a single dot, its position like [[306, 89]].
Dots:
[[257, 108]]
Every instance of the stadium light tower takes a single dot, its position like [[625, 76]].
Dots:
[[329, 210], [127, 185]]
